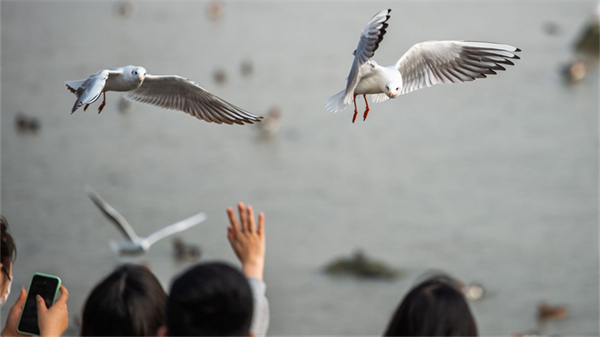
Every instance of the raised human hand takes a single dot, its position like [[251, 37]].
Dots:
[[248, 240]]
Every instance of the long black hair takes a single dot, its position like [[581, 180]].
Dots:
[[435, 307], [129, 302]]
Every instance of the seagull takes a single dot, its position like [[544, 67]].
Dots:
[[133, 244], [166, 91], [423, 65]]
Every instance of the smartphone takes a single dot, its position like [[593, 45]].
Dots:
[[46, 286]]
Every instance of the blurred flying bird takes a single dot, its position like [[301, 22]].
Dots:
[[133, 244], [423, 65], [166, 91]]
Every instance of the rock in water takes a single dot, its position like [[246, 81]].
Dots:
[[362, 267]]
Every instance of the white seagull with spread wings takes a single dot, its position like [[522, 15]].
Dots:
[[133, 244], [167, 91], [423, 65]]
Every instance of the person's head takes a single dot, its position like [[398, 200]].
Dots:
[[212, 299], [129, 302], [8, 255], [435, 307]]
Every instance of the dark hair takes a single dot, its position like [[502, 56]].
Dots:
[[435, 307], [129, 302], [7, 246], [212, 299]]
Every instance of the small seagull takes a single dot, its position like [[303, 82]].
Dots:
[[167, 91], [133, 244], [423, 65]]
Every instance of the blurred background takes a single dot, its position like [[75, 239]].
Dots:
[[493, 182]]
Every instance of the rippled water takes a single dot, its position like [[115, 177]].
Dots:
[[494, 181]]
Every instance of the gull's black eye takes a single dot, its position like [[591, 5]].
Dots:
[[397, 89]]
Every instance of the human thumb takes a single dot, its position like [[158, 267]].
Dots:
[[22, 297], [18, 306]]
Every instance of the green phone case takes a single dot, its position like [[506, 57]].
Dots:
[[53, 300]]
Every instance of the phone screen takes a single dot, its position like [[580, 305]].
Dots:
[[45, 287]]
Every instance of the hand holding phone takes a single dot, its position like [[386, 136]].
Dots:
[[42, 313], [53, 321]]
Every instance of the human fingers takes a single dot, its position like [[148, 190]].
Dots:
[[41, 305], [232, 219], [243, 218], [261, 223], [22, 297], [18, 306], [230, 235], [250, 225], [64, 295]]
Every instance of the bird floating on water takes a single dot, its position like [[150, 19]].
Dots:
[[183, 251], [423, 65], [166, 91], [548, 312], [133, 244]]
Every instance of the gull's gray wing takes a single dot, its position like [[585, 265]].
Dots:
[[176, 228], [89, 90], [178, 93], [112, 214], [370, 37], [435, 62]]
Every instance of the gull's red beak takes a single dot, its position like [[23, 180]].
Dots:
[[140, 78]]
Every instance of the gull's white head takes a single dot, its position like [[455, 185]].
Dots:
[[392, 89], [139, 73]]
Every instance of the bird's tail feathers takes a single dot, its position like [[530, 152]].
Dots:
[[336, 103]]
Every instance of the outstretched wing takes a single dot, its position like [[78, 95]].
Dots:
[[176, 228], [178, 93], [112, 214], [436, 62], [88, 91], [370, 37]]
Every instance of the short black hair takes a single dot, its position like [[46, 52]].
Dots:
[[211, 299], [8, 250], [435, 307], [129, 302]]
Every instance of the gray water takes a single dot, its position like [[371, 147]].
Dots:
[[494, 181]]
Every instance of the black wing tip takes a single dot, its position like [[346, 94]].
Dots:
[[516, 57], [70, 89], [517, 50]]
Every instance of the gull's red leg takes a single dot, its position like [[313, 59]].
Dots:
[[85, 107], [103, 102], [355, 109], [367, 110]]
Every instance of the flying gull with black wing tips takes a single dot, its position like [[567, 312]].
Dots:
[[167, 91], [423, 65]]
